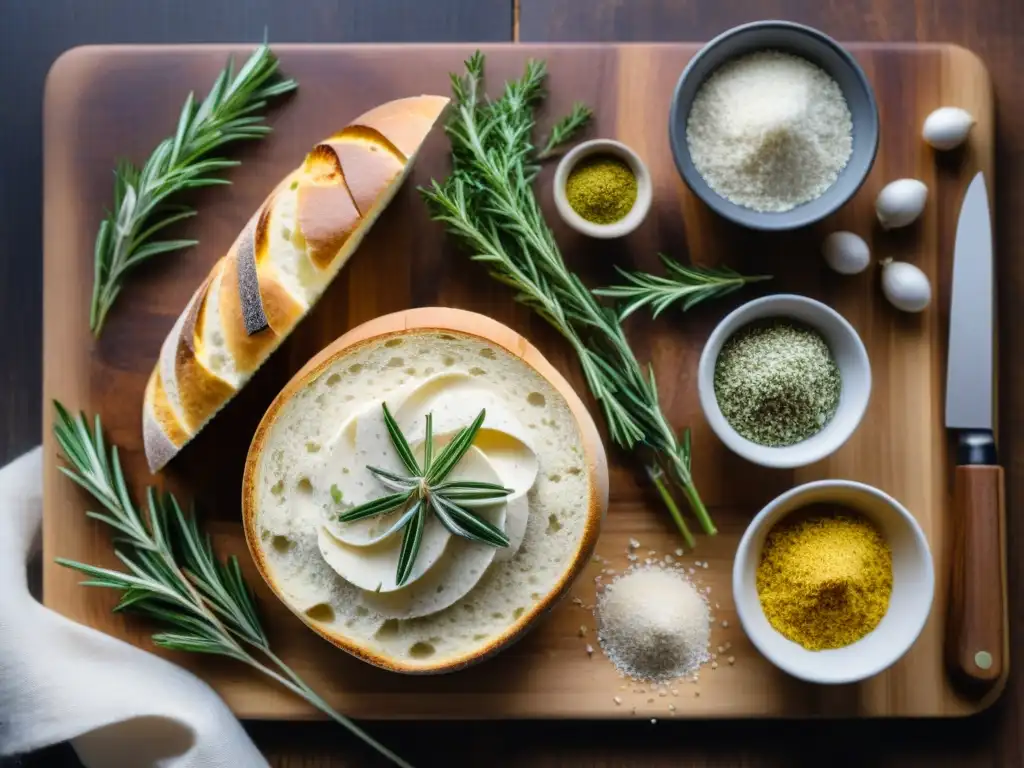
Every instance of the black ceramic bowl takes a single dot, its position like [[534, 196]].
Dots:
[[819, 49]]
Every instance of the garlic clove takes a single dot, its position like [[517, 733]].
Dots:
[[846, 253], [947, 127], [900, 202], [905, 286]]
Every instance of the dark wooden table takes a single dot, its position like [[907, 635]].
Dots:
[[34, 32]]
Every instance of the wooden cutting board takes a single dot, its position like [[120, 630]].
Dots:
[[103, 103]]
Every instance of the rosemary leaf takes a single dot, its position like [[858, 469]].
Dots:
[[464, 523], [400, 443], [452, 453], [376, 507], [411, 541], [428, 444]]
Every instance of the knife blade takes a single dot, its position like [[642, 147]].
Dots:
[[976, 627]]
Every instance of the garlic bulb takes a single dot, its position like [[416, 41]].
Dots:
[[900, 202], [905, 286], [947, 127], [846, 253]]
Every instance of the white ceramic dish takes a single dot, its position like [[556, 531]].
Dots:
[[912, 591], [636, 214], [849, 354]]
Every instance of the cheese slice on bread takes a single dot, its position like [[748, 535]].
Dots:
[[278, 267]]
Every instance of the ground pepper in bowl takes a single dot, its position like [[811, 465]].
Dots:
[[602, 189], [825, 577]]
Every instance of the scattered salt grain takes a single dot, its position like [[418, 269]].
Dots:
[[633, 543], [725, 624], [583, 630], [679, 552], [654, 721], [618, 700], [590, 650], [732, 659]]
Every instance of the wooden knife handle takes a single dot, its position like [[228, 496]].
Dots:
[[976, 622]]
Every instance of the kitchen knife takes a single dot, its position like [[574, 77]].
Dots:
[[976, 626]]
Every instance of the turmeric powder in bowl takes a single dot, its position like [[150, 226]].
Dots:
[[602, 189], [825, 577]]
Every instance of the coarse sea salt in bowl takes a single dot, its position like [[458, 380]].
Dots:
[[847, 350], [820, 50], [913, 585]]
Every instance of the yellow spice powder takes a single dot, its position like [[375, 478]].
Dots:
[[824, 580], [601, 189]]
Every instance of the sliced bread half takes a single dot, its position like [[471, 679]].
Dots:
[[464, 600]]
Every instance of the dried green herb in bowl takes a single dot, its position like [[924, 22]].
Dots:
[[776, 382]]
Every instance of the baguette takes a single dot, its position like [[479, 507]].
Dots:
[[280, 264]]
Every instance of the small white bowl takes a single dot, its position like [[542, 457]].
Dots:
[[913, 586], [848, 352], [641, 205]]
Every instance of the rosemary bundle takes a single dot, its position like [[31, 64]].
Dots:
[[230, 112], [172, 575], [488, 203]]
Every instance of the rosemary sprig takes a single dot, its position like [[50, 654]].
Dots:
[[172, 575], [689, 285], [564, 130], [488, 203], [230, 112], [425, 489]]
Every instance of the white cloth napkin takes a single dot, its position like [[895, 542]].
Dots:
[[120, 706]]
